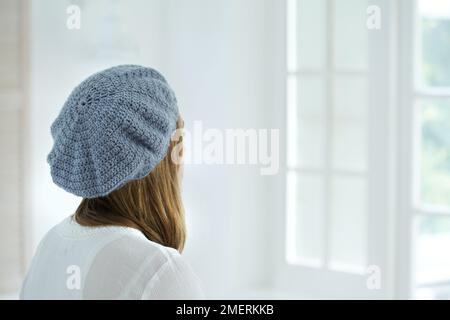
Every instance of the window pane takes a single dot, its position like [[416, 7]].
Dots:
[[434, 67], [307, 214], [311, 143], [291, 35], [349, 132], [350, 34], [432, 258], [311, 122], [349, 146], [350, 97], [311, 33], [311, 97], [435, 152], [306, 126], [348, 223], [292, 123]]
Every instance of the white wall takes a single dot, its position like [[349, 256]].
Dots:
[[218, 56], [11, 111], [60, 59], [220, 64]]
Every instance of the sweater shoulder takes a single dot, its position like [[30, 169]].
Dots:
[[122, 267]]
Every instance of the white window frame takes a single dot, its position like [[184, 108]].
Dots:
[[310, 282], [410, 127]]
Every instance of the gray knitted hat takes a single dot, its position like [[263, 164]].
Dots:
[[114, 127]]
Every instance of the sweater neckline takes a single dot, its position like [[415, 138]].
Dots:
[[70, 228]]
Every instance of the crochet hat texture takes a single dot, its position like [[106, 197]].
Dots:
[[114, 127]]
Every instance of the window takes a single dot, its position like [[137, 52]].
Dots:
[[368, 148], [334, 227], [431, 100], [327, 106]]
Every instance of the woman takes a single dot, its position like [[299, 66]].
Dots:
[[117, 146]]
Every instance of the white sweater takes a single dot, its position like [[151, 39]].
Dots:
[[111, 262]]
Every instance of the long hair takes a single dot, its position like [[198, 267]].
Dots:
[[152, 204]]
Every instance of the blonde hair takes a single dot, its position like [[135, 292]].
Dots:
[[152, 204]]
